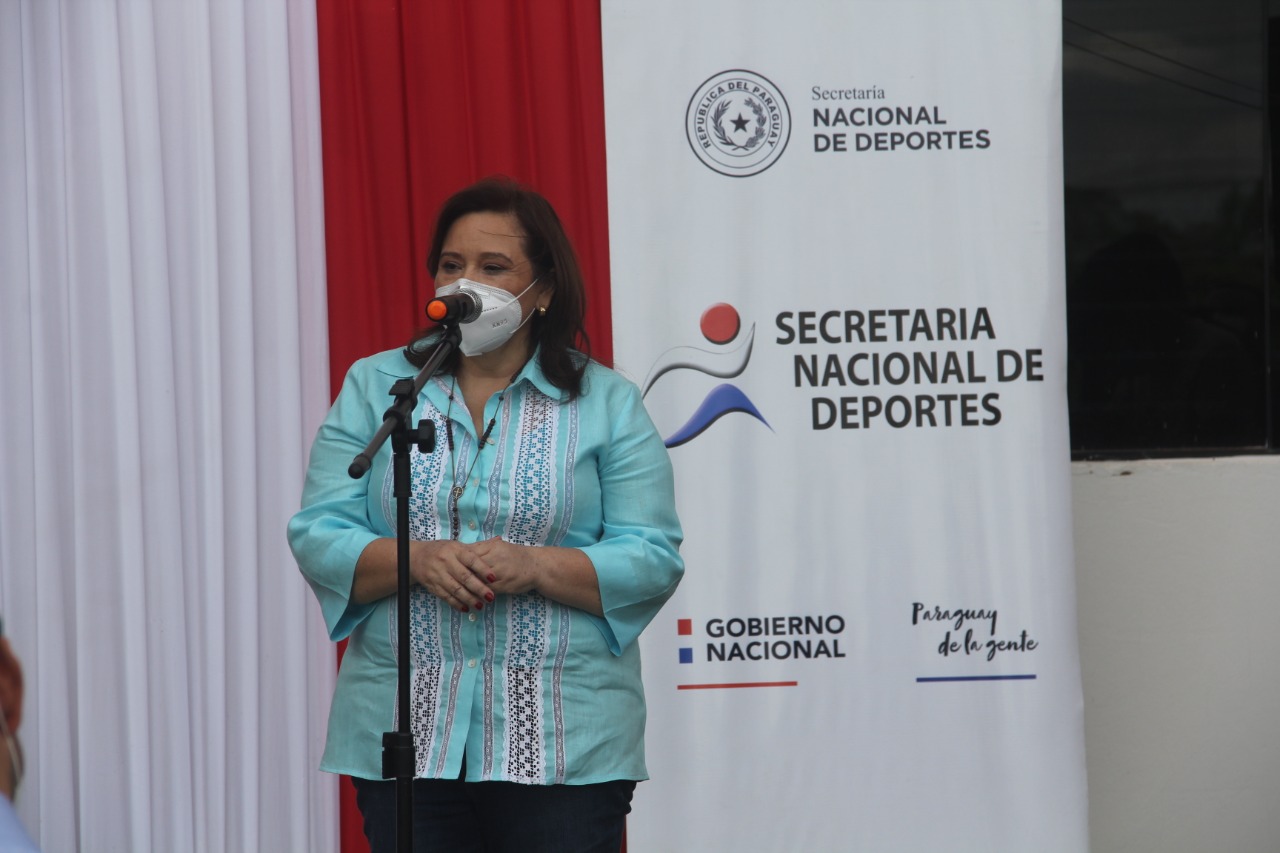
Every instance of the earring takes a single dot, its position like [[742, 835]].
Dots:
[[542, 310]]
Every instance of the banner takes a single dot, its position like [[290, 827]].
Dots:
[[836, 241]]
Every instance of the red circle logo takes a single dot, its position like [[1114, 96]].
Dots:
[[720, 323]]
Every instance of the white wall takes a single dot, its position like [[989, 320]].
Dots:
[[1178, 573]]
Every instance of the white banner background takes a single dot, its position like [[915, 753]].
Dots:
[[862, 524]]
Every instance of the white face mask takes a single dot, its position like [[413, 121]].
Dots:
[[500, 315]]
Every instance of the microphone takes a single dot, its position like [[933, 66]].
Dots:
[[459, 307]]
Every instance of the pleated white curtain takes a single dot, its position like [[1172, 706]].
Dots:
[[162, 372]]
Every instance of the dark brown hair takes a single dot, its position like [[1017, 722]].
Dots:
[[560, 331]]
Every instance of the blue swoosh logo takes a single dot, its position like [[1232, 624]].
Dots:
[[722, 400]]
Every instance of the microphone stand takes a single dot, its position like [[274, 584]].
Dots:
[[398, 754]]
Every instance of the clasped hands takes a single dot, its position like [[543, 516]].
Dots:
[[469, 575]]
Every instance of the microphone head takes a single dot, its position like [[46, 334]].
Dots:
[[437, 310], [459, 306]]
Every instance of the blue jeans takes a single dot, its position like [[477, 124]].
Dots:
[[498, 817]]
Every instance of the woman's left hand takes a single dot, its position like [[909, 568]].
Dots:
[[565, 575], [512, 569]]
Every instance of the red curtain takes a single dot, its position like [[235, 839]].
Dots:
[[419, 99]]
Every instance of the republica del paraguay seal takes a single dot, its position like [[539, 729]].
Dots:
[[738, 123]]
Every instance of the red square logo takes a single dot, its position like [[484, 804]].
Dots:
[[684, 627]]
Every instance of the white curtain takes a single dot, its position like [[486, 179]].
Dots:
[[162, 372]]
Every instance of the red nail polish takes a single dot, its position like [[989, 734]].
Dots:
[[492, 577], [479, 605], [488, 596]]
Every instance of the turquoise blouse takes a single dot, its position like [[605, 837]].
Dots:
[[531, 690]]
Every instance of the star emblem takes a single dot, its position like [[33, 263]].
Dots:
[[738, 123]]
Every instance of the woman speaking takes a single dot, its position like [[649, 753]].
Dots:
[[544, 539]]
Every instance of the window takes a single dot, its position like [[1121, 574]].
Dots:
[[1168, 239]]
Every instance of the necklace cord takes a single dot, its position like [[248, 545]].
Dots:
[[455, 492]]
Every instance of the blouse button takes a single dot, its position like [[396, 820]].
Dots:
[[471, 525], [471, 664], [471, 617]]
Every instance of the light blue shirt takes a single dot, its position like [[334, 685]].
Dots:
[[534, 691], [13, 838]]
